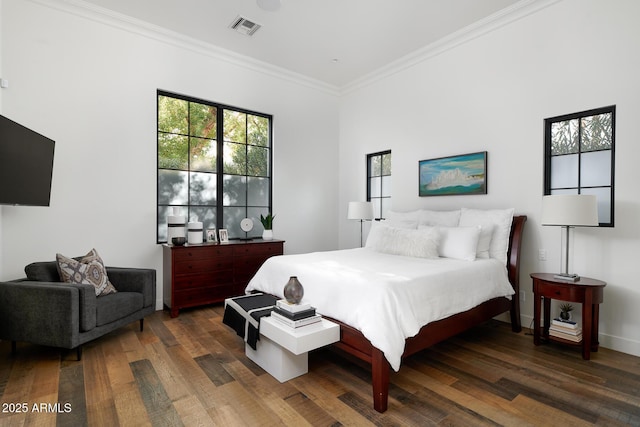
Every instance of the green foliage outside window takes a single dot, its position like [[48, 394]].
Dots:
[[591, 133]]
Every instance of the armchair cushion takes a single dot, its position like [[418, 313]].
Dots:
[[110, 308], [88, 270]]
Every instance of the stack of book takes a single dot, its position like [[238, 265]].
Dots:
[[565, 329], [295, 315]]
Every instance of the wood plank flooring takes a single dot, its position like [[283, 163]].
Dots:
[[192, 371]]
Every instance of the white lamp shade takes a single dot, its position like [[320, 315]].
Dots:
[[360, 210], [575, 210]]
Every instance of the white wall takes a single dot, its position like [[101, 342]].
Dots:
[[492, 93], [89, 82]]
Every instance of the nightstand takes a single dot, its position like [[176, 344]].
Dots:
[[586, 291]]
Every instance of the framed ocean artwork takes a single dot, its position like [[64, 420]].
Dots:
[[454, 175]]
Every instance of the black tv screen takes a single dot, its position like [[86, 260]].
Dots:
[[26, 165]]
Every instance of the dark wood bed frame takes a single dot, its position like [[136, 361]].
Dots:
[[353, 342]]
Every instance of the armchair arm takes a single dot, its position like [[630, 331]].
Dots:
[[141, 280], [46, 313]]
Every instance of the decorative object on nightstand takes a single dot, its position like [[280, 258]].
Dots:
[[565, 311], [362, 211], [293, 290], [267, 223], [568, 211]]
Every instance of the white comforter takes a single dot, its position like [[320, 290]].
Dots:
[[387, 297]]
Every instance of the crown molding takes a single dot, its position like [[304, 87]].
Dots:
[[476, 30], [136, 26]]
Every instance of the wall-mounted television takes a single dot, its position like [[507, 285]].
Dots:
[[26, 165]]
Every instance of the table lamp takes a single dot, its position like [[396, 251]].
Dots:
[[362, 211], [568, 211]]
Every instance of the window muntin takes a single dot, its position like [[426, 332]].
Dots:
[[580, 157], [379, 182], [214, 164]]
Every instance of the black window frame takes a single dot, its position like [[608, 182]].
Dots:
[[611, 109], [377, 215], [220, 173]]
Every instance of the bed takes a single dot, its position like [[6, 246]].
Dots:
[[379, 297]]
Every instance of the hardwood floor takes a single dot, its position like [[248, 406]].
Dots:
[[192, 371]]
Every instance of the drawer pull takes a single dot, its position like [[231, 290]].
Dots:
[[557, 292]]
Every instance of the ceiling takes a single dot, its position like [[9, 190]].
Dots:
[[335, 42]]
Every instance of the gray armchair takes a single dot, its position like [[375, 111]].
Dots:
[[42, 310]]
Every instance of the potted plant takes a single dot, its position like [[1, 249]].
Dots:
[[565, 311], [267, 223]]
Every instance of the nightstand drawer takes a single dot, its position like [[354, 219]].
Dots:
[[562, 293]]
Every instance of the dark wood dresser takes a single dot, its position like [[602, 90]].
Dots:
[[211, 272]]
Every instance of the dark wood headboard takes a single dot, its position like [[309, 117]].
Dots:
[[515, 247], [513, 268]]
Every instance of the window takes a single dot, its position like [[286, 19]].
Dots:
[[579, 157], [214, 164], [379, 182]]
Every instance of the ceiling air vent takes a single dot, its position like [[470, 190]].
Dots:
[[245, 26]]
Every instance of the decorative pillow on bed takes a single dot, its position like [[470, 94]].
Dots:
[[401, 241], [443, 218], [500, 220], [89, 270], [402, 219], [458, 242], [484, 242]]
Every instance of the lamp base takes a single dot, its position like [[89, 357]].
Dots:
[[567, 277]]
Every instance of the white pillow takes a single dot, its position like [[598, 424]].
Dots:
[[484, 242], [375, 233], [443, 218], [403, 219], [500, 219], [459, 242], [402, 241]]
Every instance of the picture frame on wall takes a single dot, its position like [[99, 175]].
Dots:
[[463, 174]]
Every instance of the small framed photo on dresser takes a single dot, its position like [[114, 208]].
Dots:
[[211, 235], [224, 235]]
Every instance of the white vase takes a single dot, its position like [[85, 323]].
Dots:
[[267, 235]]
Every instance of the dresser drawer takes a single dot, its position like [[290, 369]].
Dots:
[[200, 296], [203, 265], [202, 252], [201, 280], [266, 249]]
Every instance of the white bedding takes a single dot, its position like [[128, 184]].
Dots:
[[387, 297]]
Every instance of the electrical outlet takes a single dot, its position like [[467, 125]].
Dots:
[[523, 296], [542, 254]]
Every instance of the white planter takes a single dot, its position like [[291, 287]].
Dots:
[[267, 235]]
